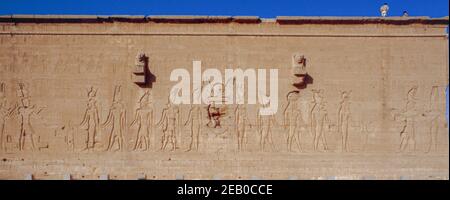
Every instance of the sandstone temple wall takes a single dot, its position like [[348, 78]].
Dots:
[[376, 84]]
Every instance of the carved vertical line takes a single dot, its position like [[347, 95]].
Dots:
[[385, 88]]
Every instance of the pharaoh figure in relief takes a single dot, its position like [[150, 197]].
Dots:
[[194, 119], [408, 120], [264, 124], [5, 113], [117, 120], [292, 120], [91, 120], [26, 110], [143, 118], [169, 121], [365, 131], [319, 120], [241, 121], [434, 116], [344, 120]]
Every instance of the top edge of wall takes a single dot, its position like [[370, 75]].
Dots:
[[220, 19]]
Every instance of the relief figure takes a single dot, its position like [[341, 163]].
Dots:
[[91, 120], [434, 116], [26, 111], [241, 121], [144, 120], [265, 123], [168, 123], [319, 120], [292, 120], [344, 117], [407, 118], [195, 120], [5, 113], [117, 119]]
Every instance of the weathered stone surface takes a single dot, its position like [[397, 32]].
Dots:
[[189, 19], [246, 19], [359, 20], [366, 98]]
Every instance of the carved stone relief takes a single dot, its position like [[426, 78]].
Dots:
[[298, 69], [195, 120], [320, 122], [344, 119], [241, 122], [299, 117], [365, 131], [264, 124], [140, 68], [216, 108], [91, 119], [292, 120], [407, 118], [5, 113], [434, 118], [143, 119], [168, 123], [116, 119], [26, 110]]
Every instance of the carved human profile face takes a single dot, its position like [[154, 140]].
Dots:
[[412, 93], [92, 93], [345, 95], [300, 59], [317, 97], [299, 69]]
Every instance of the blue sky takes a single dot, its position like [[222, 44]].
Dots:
[[263, 8]]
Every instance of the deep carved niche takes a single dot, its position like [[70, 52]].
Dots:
[[300, 77], [141, 73]]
